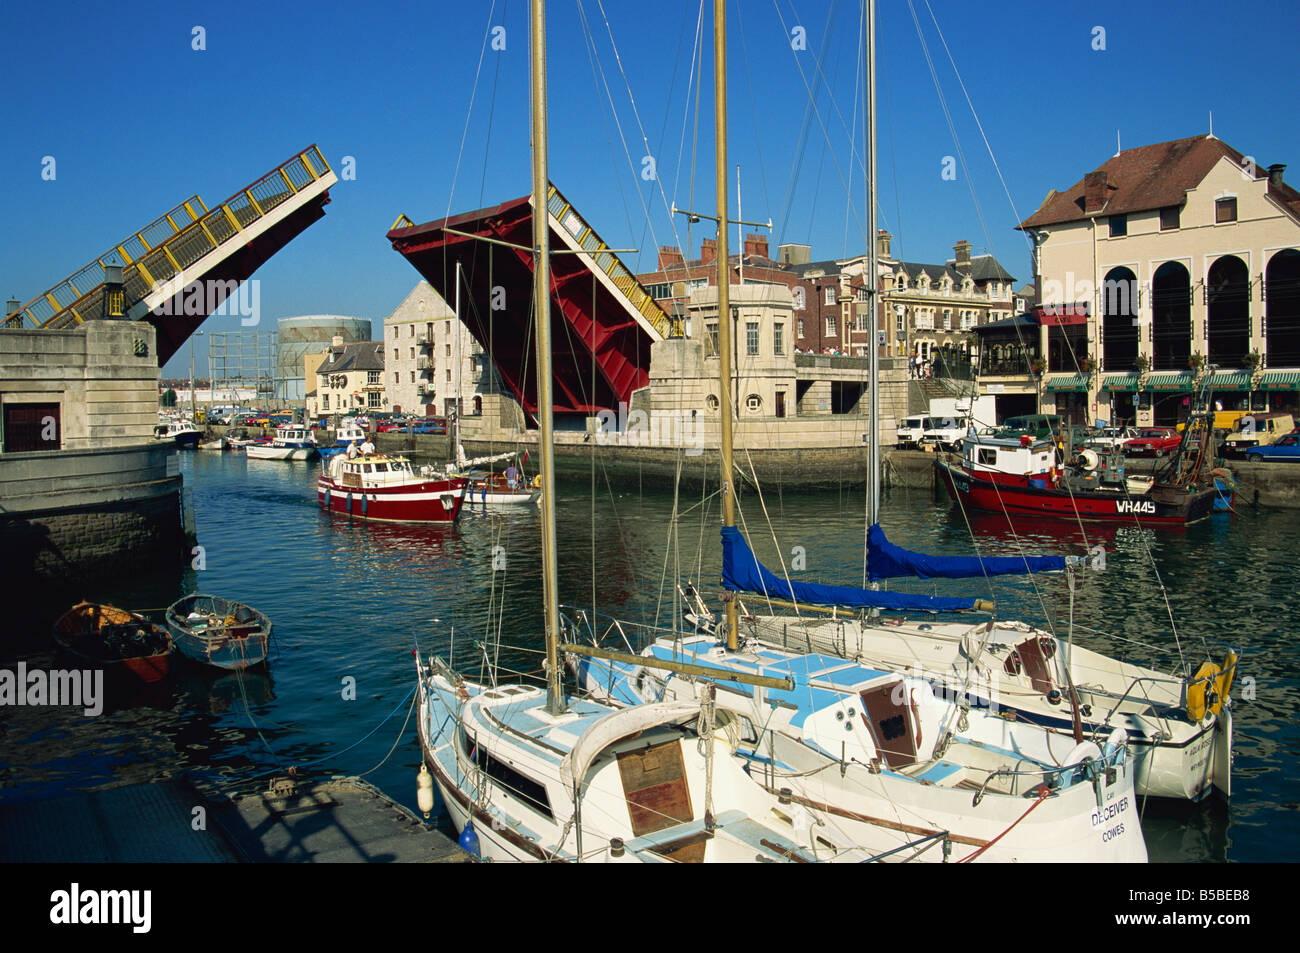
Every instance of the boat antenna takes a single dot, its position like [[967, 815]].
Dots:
[[542, 314], [724, 286]]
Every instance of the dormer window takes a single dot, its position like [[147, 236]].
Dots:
[[1225, 209]]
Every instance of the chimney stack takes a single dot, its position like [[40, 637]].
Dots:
[[961, 252], [1275, 173], [756, 245], [670, 257], [708, 251], [1096, 192], [883, 239]]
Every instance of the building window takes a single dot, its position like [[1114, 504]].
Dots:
[[901, 313], [862, 294], [372, 377], [778, 339], [830, 294], [800, 301], [947, 319], [395, 354], [374, 399], [411, 329], [1225, 210], [801, 329], [397, 377], [830, 326], [753, 403], [1118, 226], [448, 350], [1169, 216], [751, 338], [712, 402], [412, 353], [412, 377], [710, 338], [449, 375], [324, 401]]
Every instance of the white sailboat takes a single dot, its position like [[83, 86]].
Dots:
[[539, 777]]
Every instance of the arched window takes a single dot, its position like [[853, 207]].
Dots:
[[1282, 309], [1171, 317], [1228, 299], [1119, 308]]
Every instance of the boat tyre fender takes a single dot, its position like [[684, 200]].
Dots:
[[1081, 756]]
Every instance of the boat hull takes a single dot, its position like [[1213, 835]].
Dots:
[[1151, 509], [78, 630], [223, 644], [261, 452], [429, 501]]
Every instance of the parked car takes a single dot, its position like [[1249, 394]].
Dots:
[[1257, 430], [1111, 437], [944, 432], [1153, 442], [1041, 426], [1284, 449], [435, 425]]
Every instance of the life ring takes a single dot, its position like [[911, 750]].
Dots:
[[1117, 742], [1223, 685], [1202, 697]]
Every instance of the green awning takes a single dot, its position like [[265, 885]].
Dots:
[[1077, 382], [1171, 382], [1280, 380], [1120, 382], [1235, 380]]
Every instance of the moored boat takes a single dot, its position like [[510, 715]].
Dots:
[[115, 640], [180, 432], [221, 632], [381, 487], [290, 443]]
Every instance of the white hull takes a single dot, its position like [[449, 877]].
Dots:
[[502, 497], [261, 452], [1180, 766]]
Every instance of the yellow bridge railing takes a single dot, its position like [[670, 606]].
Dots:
[[608, 262], [172, 243]]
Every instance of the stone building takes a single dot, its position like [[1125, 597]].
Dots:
[[1163, 261], [423, 341], [349, 380]]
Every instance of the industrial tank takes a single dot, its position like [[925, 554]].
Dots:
[[309, 334]]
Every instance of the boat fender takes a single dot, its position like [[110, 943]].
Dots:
[[349, 502], [468, 839], [1112, 751], [365, 504], [1081, 754], [1202, 698], [327, 497], [1223, 686]]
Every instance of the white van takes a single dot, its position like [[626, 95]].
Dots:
[[944, 432]]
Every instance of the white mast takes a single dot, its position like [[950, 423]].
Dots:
[[873, 278], [455, 421]]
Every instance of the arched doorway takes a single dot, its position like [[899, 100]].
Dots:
[[1282, 308], [1119, 327], [1171, 317], [1227, 294]]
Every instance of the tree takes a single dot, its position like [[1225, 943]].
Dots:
[[169, 398]]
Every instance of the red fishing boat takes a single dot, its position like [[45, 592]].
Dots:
[[387, 489], [1022, 476], [115, 640]]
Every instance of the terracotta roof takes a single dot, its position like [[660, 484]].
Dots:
[[1151, 177]]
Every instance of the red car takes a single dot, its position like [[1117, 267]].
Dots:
[[1153, 442]]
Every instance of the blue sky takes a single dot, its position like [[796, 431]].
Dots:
[[138, 120]]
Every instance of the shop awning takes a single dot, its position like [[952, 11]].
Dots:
[[1120, 382], [1077, 382], [1171, 382], [1235, 380], [1280, 380]]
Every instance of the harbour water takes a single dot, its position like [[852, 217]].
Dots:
[[351, 600]]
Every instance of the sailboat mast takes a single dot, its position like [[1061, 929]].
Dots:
[[873, 278], [455, 421], [724, 283], [542, 313]]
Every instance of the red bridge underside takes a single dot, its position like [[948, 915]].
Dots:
[[599, 353], [174, 326]]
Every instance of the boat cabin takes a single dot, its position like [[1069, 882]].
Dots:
[[1014, 456], [292, 435], [376, 469]]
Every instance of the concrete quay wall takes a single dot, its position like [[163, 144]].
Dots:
[[73, 515]]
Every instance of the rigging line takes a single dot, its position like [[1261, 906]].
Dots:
[[691, 83], [979, 125], [804, 138], [859, 82], [952, 129], [396, 741], [753, 473], [492, 108], [753, 106], [470, 111]]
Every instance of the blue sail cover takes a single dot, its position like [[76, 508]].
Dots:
[[742, 572], [885, 560]]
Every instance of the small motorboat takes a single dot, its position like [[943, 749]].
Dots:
[[219, 444], [181, 432], [290, 443], [379, 487], [221, 632], [115, 640]]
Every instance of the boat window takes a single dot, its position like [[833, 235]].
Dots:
[[368, 468], [381, 467], [988, 455], [526, 789]]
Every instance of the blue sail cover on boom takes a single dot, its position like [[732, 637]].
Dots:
[[885, 560], [742, 572]]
